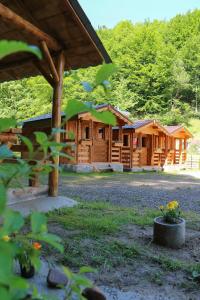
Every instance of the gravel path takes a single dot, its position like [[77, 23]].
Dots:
[[130, 190]]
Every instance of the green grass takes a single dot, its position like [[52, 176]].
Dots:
[[100, 218]]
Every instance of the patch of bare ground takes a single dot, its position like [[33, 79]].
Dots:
[[129, 261]]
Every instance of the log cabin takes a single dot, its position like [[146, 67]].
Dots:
[[177, 149], [91, 146], [143, 144]]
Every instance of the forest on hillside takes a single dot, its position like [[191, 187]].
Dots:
[[158, 74]]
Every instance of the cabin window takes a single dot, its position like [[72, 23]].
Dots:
[[115, 135], [144, 142], [101, 133], [86, 133], [125, 140]]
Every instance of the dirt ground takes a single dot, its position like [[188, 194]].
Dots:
[[130, 266]]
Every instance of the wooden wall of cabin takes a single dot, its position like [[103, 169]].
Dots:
[[139, 149], [91, 142], [86, 141], [28, 130]]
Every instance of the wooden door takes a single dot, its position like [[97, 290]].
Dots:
[[100, 144]]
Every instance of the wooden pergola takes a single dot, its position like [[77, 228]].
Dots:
[[67, 39]]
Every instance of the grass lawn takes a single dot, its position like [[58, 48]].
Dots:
[[118, 243]]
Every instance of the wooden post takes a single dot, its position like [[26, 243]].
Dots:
[[140, 148], [91, 138], [120, 134], [131, 149], [180, 151], [185, 148], [34, 180], [152, 149], [110, 144], [56, 123], [77, 139]]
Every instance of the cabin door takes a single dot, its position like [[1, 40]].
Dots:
[[100, 144]]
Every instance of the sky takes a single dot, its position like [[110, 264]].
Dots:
[[110, 12]]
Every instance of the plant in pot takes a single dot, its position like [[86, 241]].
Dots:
[[28, 257], [169, 229]]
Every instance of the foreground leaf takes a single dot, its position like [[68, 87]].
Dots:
[[104, 73], [38, 222], [3, 198], [7, 123], [10, 47]]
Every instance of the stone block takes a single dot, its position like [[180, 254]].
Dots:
[[56, 279]]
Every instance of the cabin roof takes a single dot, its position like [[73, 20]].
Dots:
[[100, 107], [64, 25], [175, 129], [137, 125]]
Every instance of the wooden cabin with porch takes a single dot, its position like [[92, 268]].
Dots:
[[143, 144], [91, 145], [177, 149]]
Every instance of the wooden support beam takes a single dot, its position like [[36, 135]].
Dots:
[[11, 17], [49, 60], [56, 123], [46, 75]]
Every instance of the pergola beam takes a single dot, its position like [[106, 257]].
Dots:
[[11, 17], [50, 61], [43, 72]]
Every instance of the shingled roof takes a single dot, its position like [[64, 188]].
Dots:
[[137, 124], [173, 128], [97, 107]]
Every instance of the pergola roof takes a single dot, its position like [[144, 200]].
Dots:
[[60, 24]]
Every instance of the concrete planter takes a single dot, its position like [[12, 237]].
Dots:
[[169, 235]]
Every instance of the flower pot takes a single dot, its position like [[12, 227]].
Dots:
[[169, 235], [27, 272]]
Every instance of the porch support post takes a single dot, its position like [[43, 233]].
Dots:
[[131, 149], [56, 123], [77, 140], [110, 143], [152, 149], [91, 138], [185, 147], [180, 152]]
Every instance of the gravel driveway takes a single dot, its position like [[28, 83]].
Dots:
[[140, 190]]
